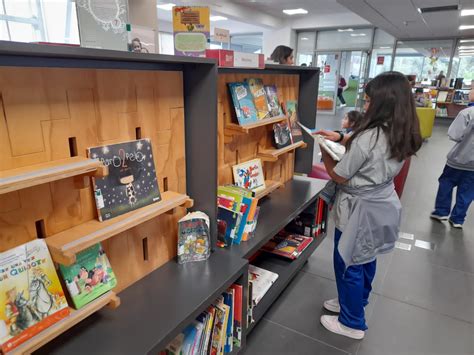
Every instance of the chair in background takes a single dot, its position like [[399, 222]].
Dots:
[[426, 116]]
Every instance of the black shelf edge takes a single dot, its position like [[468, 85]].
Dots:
[[153, 310], [269, 69], [277, 210], [286, 270]]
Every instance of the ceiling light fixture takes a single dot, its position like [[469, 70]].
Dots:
[[467, 12], [218, 18], [299, 11], [345, 30], [385, 47], [168, 7], [466, 40], [358, 34], [304, 38], [466, 27], [466, 47]]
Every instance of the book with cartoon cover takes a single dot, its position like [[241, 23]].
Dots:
[[259, 97], [243, 103], [31, 296], [249, 175], [193, 238], [293, 121], [273, 102]]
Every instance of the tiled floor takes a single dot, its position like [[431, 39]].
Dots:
[[423, 300]]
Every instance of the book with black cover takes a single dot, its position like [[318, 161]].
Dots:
[[281, 135]]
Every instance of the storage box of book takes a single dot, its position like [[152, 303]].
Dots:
[[90, 277], [31, 296]]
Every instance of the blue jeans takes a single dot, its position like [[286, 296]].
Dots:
[[353, 287], [449, 179]]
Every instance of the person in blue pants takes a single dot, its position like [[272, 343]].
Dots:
[[458, 171], [366, 207]]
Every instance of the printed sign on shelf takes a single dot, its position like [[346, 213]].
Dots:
[[221, 35]]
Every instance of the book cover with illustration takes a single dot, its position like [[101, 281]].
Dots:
[[259, 97], [273, 102], [131, 182], [249, 175], [261, 280], [89, 277], [193, 238], [287, 245], [292, 112], [281, 135], [31, 296], [244, 106]]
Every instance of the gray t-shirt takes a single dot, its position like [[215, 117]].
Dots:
[[367, 163]]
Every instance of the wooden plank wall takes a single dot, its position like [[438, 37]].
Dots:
[[234, 149], [43, 109]]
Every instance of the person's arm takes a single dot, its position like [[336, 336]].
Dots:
[[330, 164], [333, 136], [458, 128]]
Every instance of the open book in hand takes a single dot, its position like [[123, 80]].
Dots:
[[335, 150]]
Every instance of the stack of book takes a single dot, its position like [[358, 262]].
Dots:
[[216, 331], [237, 214], [287, 245]]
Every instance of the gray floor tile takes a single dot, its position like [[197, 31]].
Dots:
[[398, 328], [271, 338], [430, 286], [300, 307]]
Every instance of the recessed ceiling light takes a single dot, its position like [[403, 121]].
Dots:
[[466, 40], [466, 47], [218, 18], [168, 7], [385, 47], [304, 38], [358, 34], [467, 12], [345, 30], [466, 27], [299, 11]]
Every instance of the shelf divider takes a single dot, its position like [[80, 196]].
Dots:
[[21, 178], [64, 245], [273, 154]]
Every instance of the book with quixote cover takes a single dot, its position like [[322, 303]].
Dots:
[[259, 97]]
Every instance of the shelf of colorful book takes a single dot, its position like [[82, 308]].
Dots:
[[64, 245], [282, 206], [76, 316], [154, 310], [286, 270], [270, 186], [234, 128], [273, 154], [20, 178]]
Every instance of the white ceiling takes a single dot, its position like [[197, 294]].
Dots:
[[401, 18]]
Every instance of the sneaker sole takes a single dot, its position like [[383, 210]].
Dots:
[[439, 218], [326, 325], [331, 308], [454, 225]]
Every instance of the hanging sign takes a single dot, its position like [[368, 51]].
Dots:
[[221, 35], [380, 60], [327, 68]]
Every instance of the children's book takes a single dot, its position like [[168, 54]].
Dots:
[[238, 292], [228, 222], [259, 97], [190, 333], [90, 277], [273, 102], [176, 345], [219, 330], [229, 301], [249, 175], [131, 182], [31, 296], [292, 112], [243, 103], [335, 150], [289, 246], [261, 280], [193, 237], [281, 135], [211, 312]]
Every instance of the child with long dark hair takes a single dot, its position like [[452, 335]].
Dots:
[[367, 209]]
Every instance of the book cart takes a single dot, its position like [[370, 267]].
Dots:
[[286, 195], [58, 101]]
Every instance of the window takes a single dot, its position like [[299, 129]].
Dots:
[[381, 58], [305, 48], [166, 43], [463, 63], [360, 38], [249, 43]]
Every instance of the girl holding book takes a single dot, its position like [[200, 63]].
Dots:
[[367, 208]]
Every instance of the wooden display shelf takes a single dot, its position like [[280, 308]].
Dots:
[[234, 128], [270, 186], [64, 246], [273, 154], [20, 178], [110, 298]]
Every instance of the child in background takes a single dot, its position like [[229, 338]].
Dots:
[[420, 98], [350, 119]]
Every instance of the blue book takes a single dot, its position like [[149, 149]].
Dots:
[[229, 300], [189, 334], [243, 103], [243, 222], [229, 220]]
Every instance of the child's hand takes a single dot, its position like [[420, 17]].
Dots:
[[331, 135]]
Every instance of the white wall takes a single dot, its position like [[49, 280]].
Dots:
[[283, 36]]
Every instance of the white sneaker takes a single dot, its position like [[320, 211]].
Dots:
[[332, 305], [343, 105], [438, 218], [332, 324], [455, 225]]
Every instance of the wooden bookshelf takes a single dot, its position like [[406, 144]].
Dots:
[[234, 128], [64, 246], [110, 299], [272, 155], [270, 186], [21, 178]]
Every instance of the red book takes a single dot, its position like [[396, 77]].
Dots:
[[289, 246], [238, 292]]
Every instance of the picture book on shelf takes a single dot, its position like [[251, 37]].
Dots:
[[193, 237], [287, 245], [259, 97], [261, 280], [238, 294], [249, 175], [31, 296], [292, 112], [219, 332], [227, 223], [244, 106], [281, 135], [89, 277], [273, 102], [131, 182]]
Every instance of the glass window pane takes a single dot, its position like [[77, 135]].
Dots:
[[22, 32], [347, 39], [463, 63], [166, 43], [251, 43], [305, 48], [20, 8], [3, 31]]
